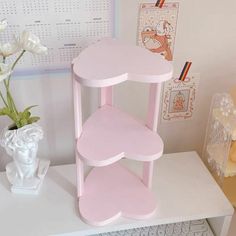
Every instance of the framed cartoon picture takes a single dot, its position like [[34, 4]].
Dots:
[[157, 28], [179, 98]]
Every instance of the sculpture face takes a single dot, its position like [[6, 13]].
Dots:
[[26, 155]]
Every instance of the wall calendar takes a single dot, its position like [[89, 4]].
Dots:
[[65, 27]]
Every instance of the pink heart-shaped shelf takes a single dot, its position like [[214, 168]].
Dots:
[[114, 191], [110, 134], [111, 62]]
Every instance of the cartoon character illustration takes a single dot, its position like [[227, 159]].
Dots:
[[178, 103], [158, 40]]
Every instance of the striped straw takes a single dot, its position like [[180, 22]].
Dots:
[[185, 70], [160, 3]]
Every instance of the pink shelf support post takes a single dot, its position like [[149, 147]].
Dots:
[[106, 96], [78, 130], [152, 121]]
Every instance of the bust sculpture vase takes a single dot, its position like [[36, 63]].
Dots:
[[26, 172]]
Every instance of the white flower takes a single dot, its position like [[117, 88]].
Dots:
[[30, 42], [8, 49], [3, 25], [5, 71]]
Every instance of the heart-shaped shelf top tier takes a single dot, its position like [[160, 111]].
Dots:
[[111, 62]]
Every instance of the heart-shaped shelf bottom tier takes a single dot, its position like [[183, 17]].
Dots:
[[114, 191]]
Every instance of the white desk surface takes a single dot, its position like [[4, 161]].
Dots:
[[183, 187]]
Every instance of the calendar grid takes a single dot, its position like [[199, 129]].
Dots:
[[66, 27], [8, 7]]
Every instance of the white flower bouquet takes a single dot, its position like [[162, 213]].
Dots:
[[25, 42]]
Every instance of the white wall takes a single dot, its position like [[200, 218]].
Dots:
[[206, 34]]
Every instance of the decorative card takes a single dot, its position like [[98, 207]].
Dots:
[[157, 28], [64, 26], [179, 98]]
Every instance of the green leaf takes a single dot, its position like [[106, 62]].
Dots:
[[30, 107], [9, 101], [2, 112], [18, 124], [23, 122], [33, 119], [14, 116], [5, 111], [26, 115]]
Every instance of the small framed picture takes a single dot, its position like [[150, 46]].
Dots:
[[179, 98]]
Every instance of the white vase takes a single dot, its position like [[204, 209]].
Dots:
[[26, 172]]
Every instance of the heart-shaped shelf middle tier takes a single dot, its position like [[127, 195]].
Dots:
[[110, 134]]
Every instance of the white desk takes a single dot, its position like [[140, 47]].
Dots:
[[183, 187]]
